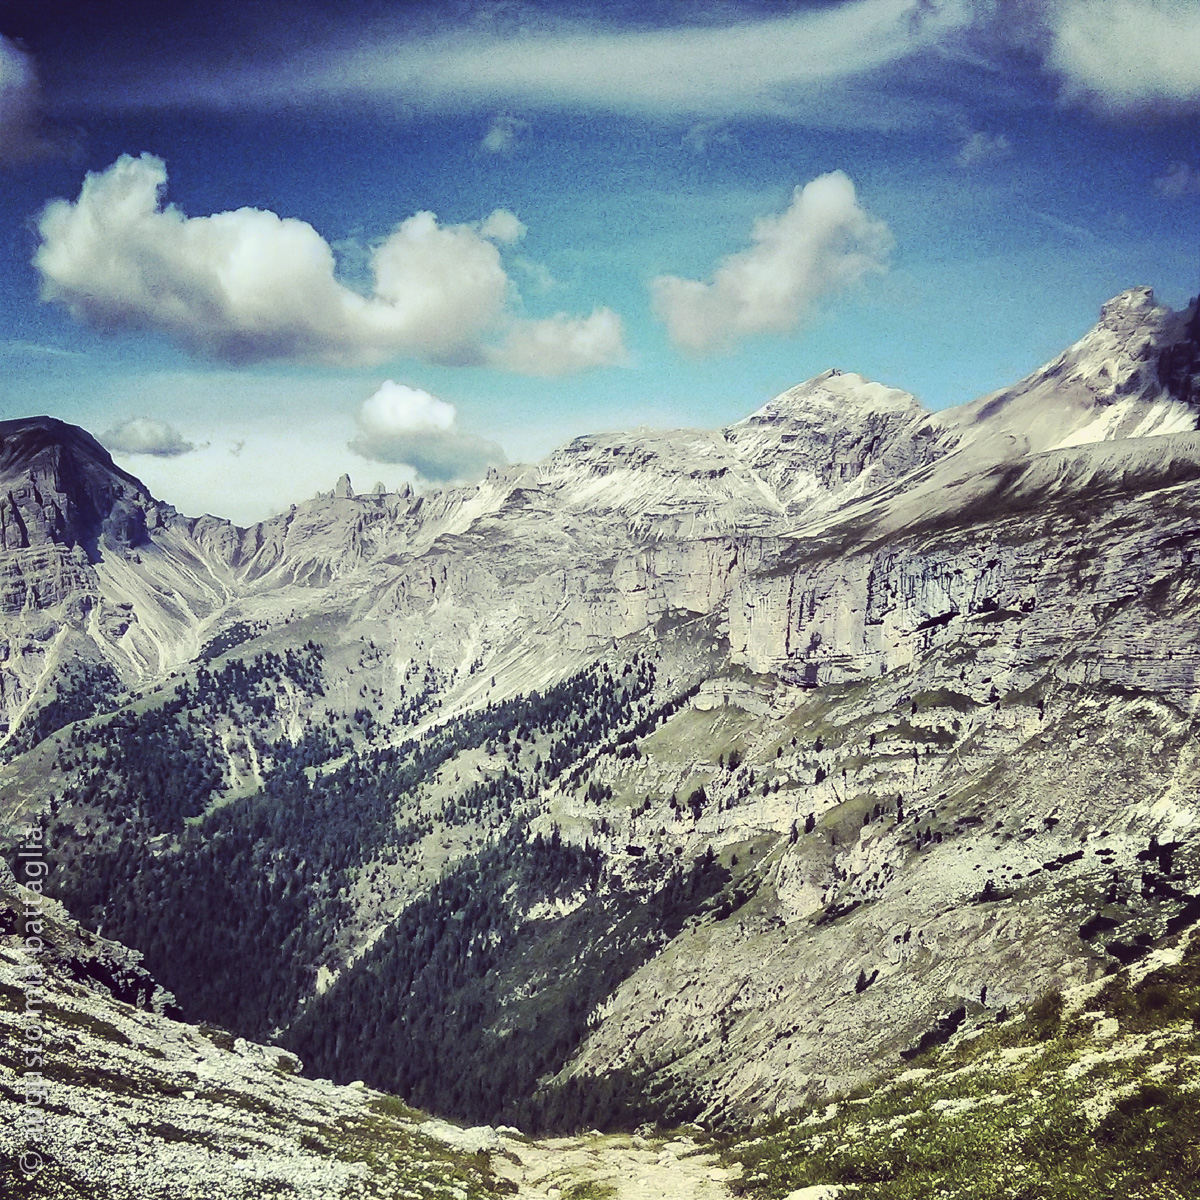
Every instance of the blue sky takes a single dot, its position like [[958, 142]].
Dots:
[[254, 245]]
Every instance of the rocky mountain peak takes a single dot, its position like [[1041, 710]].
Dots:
[[840, 395], [1129, 377], [58, 484], [1119, 357], [27, 442], [832, 437], [1131, 310]]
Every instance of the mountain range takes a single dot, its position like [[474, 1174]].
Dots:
[[684, 775]]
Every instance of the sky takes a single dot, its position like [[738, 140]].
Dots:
[[254, 244]]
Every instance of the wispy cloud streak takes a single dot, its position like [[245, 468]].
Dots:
[[808, 63]]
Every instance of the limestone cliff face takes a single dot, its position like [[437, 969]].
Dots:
[[1053, 576], [63, 505], [962, 744], [766, 524]]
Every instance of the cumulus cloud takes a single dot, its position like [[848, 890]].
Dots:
[[397, 408], [502, 226], [503, 134], [1179, 179], [146, 435], [978, 147], [402, 424], [1127, 54], [821, 244], [250, 286], [438, 290]]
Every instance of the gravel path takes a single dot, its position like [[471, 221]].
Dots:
[[621, 1167]]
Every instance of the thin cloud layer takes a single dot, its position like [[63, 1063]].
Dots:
[[704, 135], [249, 286], [1179, 179], [503, 135], [402, 424], [146, 435], [21, 133], [848, 64], [820, 245], [1128, 54], [792, 65], [979, 147]]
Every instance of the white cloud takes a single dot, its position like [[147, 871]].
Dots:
[[1127, 54], [981, 147], [249, 286], [241, 480], [843, 64], [17, 348], [1179, 179], [439, 289], [402, 424], [503, 226], [1078, 232], [397, 408], [145, 435], [562, 345], [822, 243], [503, 134], [537, 273], [264, 439], [793, 65]]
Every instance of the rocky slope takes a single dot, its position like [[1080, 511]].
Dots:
[[682, 774], [102, 1096], [1094, 1091]]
